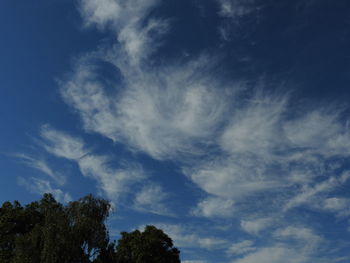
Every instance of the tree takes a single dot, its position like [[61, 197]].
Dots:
[[46, 231], [150, 246]]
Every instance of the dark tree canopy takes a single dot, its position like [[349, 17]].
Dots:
[[150, 246], [46, 231]]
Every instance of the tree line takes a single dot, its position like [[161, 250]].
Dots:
[[47, 231]]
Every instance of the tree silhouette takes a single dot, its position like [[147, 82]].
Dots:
[[46, 231], [150, 246]]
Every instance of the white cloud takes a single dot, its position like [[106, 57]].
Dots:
[[264, 151], [339, 205], [242, 247], [112, 180], [306, 239], [230, 178], [39, 186], [127, 20], [187, 238], [137, 41], [115, 13], [320, 202], [320, 131], [42, 166], [151, 198], [254, 227], [252, 142], [235, 8], [214, 207], [307, 194], [61, 144], [164, 112], [274, 255], [335, 203], [290, 244], [100, 12], [254, 128]]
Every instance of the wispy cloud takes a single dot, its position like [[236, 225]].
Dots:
[[290, 244], [254, 227], [263, 153], [164, 112], [111, 179], [306, 239], [127, 19], [152, 198], [40, 187], [339, 205], [235, 8], [187, 238], [62, 144], [308, 194], [115, 13], [242, 247], [114, 177], [42, 166], [214, 207], [275, 254]]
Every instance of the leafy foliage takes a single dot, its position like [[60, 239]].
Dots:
[[46, 231], [150, 246]]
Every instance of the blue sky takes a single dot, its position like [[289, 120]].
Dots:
[[223, 122]]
